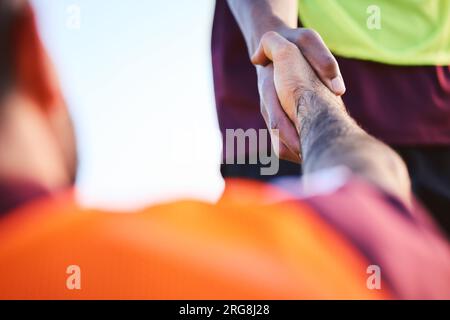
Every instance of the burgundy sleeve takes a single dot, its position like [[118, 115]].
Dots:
[[413, 255]]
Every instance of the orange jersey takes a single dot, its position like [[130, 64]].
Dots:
[[239, 248]]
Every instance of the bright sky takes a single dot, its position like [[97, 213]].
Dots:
[[137, 77]]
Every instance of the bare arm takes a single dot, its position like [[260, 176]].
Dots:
[[329, 136], [256, 17]]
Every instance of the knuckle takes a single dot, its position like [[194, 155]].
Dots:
[[286, 50], [307, 36], [269, 35]]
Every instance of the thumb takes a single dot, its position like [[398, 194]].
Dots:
[[271, 45], [259, 57]]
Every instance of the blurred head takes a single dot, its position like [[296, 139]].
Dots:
[[37, 140]]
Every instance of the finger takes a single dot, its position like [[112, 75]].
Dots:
[[320, 58], [277, 121], [282, 151], [283, 130], [259, 57], [285, 153], [272, 46]]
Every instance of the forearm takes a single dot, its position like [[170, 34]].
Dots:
[[256, 17], [329, 138]]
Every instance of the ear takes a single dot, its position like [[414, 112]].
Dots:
[[35, 77], [33, 72]]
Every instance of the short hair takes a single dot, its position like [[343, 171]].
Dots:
[[8, 10]]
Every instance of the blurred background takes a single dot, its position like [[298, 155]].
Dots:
[[137, 78]]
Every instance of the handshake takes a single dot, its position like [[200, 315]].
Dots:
[[287, 83], [306, 113]]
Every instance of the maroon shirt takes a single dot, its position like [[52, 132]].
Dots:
[[412, 253], [399, 105], [16, 192]]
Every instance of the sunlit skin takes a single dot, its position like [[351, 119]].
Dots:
[[248, 245], [328, 135], [255, 18]]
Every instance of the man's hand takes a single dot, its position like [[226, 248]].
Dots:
[[255, 18], [325, 66], [278, 123], [329, 137], [318, 55], [292, 77]]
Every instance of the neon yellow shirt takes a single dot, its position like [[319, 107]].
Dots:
[[400, 32]]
